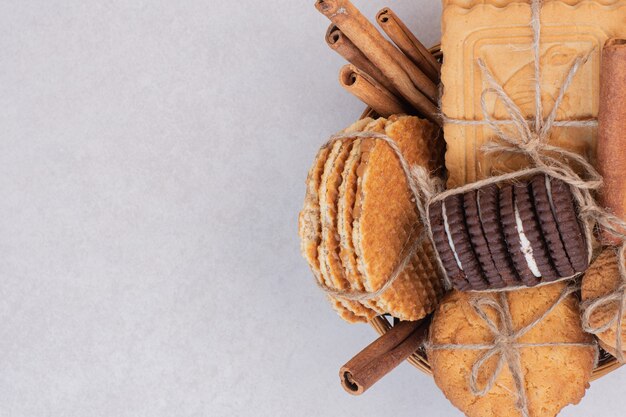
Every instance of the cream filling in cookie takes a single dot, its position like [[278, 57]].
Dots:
[[480, 214], [527, 249], [449, 235], [549, 190]]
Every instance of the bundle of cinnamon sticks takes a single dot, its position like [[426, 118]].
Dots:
[[391, 79]]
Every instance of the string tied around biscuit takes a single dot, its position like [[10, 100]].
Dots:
[[506, 345], [530, 138], [618, 296]]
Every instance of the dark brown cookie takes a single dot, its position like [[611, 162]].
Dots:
[[489, 213], [532, 230], [547, 222], [568, 224], [461, 239], [512, 237], [441, 241], [479, 242]]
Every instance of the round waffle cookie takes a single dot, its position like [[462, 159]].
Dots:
[[568, 225], [478, 239], [519, 247], [549, 228], [601, 279], [487, 199], [386, 222], [552, 376]]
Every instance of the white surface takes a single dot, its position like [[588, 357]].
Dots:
[[152, 162]]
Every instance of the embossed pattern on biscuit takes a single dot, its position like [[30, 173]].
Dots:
[[498, 32]]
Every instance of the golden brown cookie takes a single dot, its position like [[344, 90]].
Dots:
[[386, 221], [328, 250], [347, 197], [310, 227], [553, 376], [603, 278]]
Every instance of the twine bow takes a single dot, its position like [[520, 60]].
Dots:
[[421, 186], [506, 346]]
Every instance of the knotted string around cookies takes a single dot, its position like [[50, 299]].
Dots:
[[417, 187], [531, 140], [506, 346]]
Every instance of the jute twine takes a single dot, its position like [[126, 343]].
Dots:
[[506, 346], [423, 188], [530, 139]]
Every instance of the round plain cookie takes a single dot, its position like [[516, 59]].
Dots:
[[549, 228], [532, 230], [512, 237], [489, 209], [553, 376], [479, 241]]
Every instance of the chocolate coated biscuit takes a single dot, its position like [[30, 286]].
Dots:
[[479, 241], [547, 222], [455, 274], [489, 206], [461, 239], [509, 225], [532, 230]]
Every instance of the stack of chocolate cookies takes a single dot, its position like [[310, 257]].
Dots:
[[509, 235]]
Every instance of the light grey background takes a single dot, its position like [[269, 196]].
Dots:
[[152, 165]]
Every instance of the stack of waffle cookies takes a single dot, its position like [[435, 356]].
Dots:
[[509, 235], [359, 220]]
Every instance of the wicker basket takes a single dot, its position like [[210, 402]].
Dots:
[[606, 363]]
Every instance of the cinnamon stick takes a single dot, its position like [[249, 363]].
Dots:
[[382, 356], [370, 92], [414, 85], [612, 127], [340, 43], [406, 41]]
